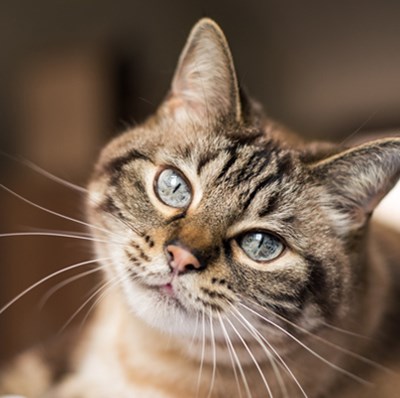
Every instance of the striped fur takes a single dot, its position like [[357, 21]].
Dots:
[[230, 321]]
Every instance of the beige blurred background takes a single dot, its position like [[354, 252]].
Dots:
[[75, 72]]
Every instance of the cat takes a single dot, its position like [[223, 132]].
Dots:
[[239, 260]]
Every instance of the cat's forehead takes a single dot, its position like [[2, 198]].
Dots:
[[235, 169], [245, 168], [218, 145]]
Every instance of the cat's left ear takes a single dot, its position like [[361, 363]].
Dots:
[[204, 88], [357, 179]]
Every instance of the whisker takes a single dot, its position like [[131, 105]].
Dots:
[[252, 357], [66, 282], [203, 348], [214, 354], [252, 329], [194, 332], [59, 231], [363, 124], [53, 177], [232, 361], [106, 291], [61, 181], [346, 351], [56, 213], [104, 288], [331, 344], [344, 331], [315, 354], [80, 308], [94, 304], [243, 376], [57, 235], [46, 278], [45, 173]]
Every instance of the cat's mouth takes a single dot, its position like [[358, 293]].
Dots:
[[167, 289], [170, 292]]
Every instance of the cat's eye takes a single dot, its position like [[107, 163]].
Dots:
[[172, 188], [261, 246]]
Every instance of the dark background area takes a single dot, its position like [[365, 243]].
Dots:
[[75, 72]]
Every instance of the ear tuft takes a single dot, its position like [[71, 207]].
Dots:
[[357, 179], [204, 87]]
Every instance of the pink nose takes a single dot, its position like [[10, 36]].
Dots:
[[182, 260]]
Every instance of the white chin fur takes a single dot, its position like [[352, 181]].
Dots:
[[160, 312]]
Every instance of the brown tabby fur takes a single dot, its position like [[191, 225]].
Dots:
[[328, 305]]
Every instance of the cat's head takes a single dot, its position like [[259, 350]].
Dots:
[[213, 211]]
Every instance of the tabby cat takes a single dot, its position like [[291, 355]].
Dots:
[[239, 260]]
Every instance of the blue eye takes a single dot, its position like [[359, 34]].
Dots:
[[172, 189], [261, 246]]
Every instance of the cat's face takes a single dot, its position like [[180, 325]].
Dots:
[[211, 214], [245, 207]]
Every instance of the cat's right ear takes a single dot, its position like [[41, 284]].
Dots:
[[357, 179], [204, 87]]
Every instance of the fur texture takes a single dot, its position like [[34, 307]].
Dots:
[[318, 320]]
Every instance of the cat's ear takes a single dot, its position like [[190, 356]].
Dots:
[[357, 179], [204, 87]]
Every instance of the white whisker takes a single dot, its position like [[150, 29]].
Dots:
[[203, 348], [98, 286], [333, 345], [43, 172], [60, 285], [56, 213], [253, 358], [196, 326], [260, 339], [315, 354], [104, 288], [344, 331], [57, 235], [52, 275], [214, 354], [243, 376], [232, 361], [103, 294], [65, 183], [53, 177], [59, 231]]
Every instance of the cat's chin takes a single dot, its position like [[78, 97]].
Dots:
[[160, 307]]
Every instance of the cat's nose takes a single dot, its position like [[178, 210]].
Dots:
[[182, 260]]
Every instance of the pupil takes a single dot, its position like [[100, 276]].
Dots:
[[176, 188]]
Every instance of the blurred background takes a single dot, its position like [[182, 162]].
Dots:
[[73, 73]]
